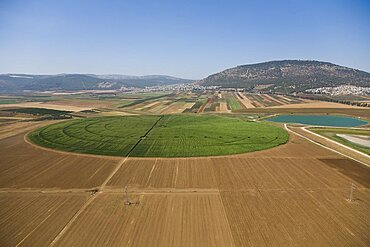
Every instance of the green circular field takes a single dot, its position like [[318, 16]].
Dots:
[[160, 136]]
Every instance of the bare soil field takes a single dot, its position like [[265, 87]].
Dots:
[[48, 105], [177, 173], [291, 195], [35, 219], [274, 100], [245, 101], [159, 220], [115, 113], [152, 104], [223, 107], [12, 129], [255, 100], [83, 103], [173, 108], [24, 166], [267, 100], [297, 218]]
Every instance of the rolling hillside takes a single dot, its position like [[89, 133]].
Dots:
[[72, 82], [287, 76]]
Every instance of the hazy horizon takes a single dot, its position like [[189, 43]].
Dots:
[[186, 39]]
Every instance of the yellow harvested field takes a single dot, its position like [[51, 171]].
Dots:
[[82, 103], [284, 98], [148, 105], [188, 105], [58, 106], [116, 113], [173, 108], [178, 107]]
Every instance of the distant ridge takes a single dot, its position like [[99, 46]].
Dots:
[[287, 76], [75, 82]]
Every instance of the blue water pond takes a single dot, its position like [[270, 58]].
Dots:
[[319, 120]]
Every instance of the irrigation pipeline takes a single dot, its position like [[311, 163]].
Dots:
[[143, 137]]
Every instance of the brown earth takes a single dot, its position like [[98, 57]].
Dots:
[[159, 220], [82, 103], [291, 195], [25, 166], [274, 100], [223, 107], [176, 107], [253, 99], [12, 129], [244, 100], [35, 219], [60, 106]]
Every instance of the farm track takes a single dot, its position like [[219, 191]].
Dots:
[[291, 195], [337, 147]]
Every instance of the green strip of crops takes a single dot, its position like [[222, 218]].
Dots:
[[331, 133], [160, 136], [233, 103]]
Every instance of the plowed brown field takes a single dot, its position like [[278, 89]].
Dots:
[[292, 195], [297, 218], [24, 166], [159, 220], [35, 219]]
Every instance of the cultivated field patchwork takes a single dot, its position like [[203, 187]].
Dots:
[[291, 195]]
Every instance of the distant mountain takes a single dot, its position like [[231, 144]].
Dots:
[[287, 76], [75, 82]]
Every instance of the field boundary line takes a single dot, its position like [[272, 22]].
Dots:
[[340, 144], [73, 219], [120, 164], [42, 222], [226, 218], [321, 145], [89, 201]]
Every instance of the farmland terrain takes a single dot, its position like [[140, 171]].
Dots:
[[293, 194], [75, 82], [335, 134]]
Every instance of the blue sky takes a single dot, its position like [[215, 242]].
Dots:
[[189, 39]]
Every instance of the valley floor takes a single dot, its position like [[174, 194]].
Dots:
[[294, 194]]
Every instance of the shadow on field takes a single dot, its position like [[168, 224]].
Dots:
[[351, 169]]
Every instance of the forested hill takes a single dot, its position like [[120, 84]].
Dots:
[[287, 76], [71, 82]]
